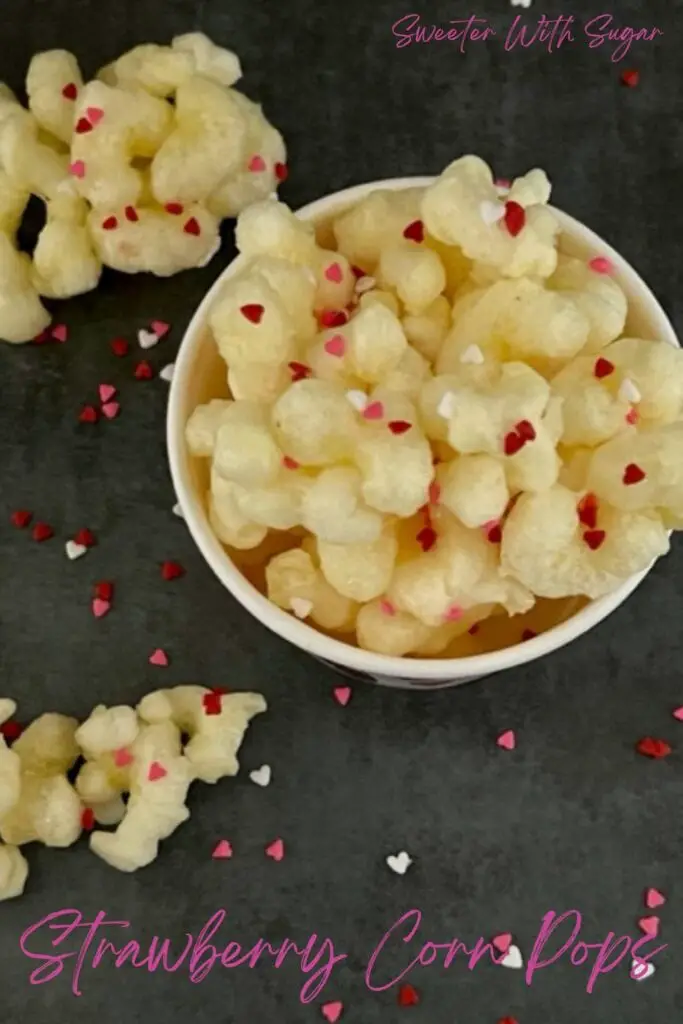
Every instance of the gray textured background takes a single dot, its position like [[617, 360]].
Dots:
[[573, 818]]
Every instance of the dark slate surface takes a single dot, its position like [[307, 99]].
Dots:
[[573, 818]]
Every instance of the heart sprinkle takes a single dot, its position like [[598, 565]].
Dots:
[[630, 78], [122, 757], [632, 417], [601, 265], [100, 607], [399, 862], [11, 731], [299, 371], [415, 231], [513, 443], [178, 511], [110, 224], [191, 227], [261, 776], [104, 590], [288, 462], [587, 511], [42, 531], [594, 539], [175, 209], [334, 273], [426, 538], [512, 959], [77, 169], [446, 406], [301, 607], [256, 164], [156, 772], [507, 740], [603, 368], [628, 392], [514, 218], [131, 214], [147, 339], [74, 550], [407, 996], [160, 328], [143, 371], [335, 346], [649, 926], [387, 608], [333, 318], [358, 399], [70, 91], [633, 474], [82, 126], [332, 1012], [526, 430], [641, 970], [502, 942], [222, 850], [276, 850], [454, 613], [212, 703], [491, 213], [158, 657], [94, 115], [281, 171], [494, 532], [86, 537], [373, 411], [678, 714], [21, 518], [399, 426], [528, 634], [342, 695], [119, 347], [59, 332], [88, 414], [171, 570], [87, 819], [106, 391], [656, 749], [166, 372], [472, 355], [654, 899]]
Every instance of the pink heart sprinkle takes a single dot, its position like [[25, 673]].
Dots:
[[678, 713], [158, 657], [342, 695], [454, 613], [654, 898], [335, 346], [106, 391], [276, 850], [507, 740], [222, 850], [649, 925], [94, 114], [160, 327], [123, 757], [373, 411], [59, 332], [601, 265], [387, 608], [632, 417], [502, 942], [100, 607], [257, 163], [111, 409], [156, 772], [334, 273], [332, 1012], [77, 168]]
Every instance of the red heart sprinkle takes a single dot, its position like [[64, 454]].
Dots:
[[289, 463], [473, 630], [650, 747], [143, 371], [632, 417], [507, 1020], [88, 414], [630, 78], [399, 426], [172, 570], [156, 771], [86, 537], [122, 757], [299, 371], [175, 208], [43, 337], [257, 163], [88, 819], [495, 534], [514, 218], [104, 590], [415, 231], [70, 91], [119, 347], [131, 213], [212, 703], [407, 996], [281, 171], [513, 443], [42, 531], [526, 430], [602, 368], [587, 510], [253, 312], [594, 538], [191, 227], [427, 538], [333, 318], [59, 332], [109, 224], [528, 634], [11, 731], [21, 518], [633, 474], [82, 126]]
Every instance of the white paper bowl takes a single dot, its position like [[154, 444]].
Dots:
[[197, 350]]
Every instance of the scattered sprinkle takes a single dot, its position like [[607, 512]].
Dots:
[[175, 209], [156, 772], [70, 91], [82, 126], [21, 518], [212, 703], [650, 747], [123, 757], [641, 970], [601, 265], [333, 318], [301, 607], [86, 537], [415, 231], [147, 339], [334, 273], [628, 392], [87, 819], [177, 510], [528, 634], [399, 426], [594, 539], [342, 695], [386, 607], [11, 731], [276, 850], [191, 227], [373, 411], [678, 713], [514, 218], [454, 613], [143, 371], [358, 399], [426, 538], [513, 443], [131, 214], [654, 899], [119, 347], [603, 368], [446, 406], [407, 996], [253, 312], [299, 371], [281, 171], [60, 332], [100, 607], [502, 942], [160, 328], [513, 959], [104, 589], [289, 463], [222, 850], [508, 1020], [172, 570], [77, 169], [630, 78], [491, 213], [493, 531], [332, 1012], [507, 740], [256, 164], [472, 355], [526, 430], [166, 372], [158, 657], [109, 223], [633, 474], [632, 417], [42, 531], [335, 346], [473, 630], [649, 926], [106, 391], [111, 410], [587, 510], [261, 776], [74, 550], [88, 414], [94, 114], [399, 862]]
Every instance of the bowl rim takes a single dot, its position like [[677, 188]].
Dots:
[[295, 631]]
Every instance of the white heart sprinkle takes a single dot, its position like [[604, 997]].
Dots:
[[399, 862], [358, 399], [147, 339], [446, 406], [512, 959], [74, 550], [472, 354], [365, 284], [521, 3], [628, 392], [491, 213], [262, 775], [641, 970], [177, 511], [166, 372], [301, 607]]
